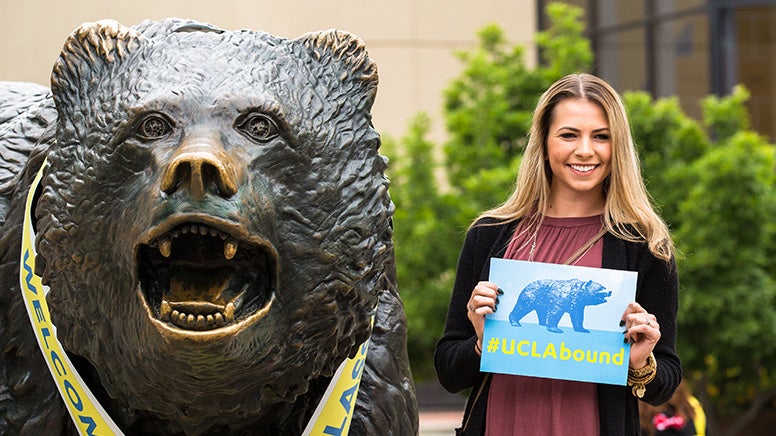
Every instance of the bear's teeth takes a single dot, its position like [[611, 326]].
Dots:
[[229, 312], [165, 246], [230, 249], [199, 321], [166, 310]]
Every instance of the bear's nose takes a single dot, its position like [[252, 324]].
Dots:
[[201, 165]]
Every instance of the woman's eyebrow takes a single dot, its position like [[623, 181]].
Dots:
[[575, 129]]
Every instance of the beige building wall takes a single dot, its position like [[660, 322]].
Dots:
[[412, 41]]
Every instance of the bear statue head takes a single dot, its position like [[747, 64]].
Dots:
[[213, 222]]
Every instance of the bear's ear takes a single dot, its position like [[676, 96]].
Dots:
[[347, 49], [86, 52]]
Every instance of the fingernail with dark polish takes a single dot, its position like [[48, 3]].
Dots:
[[625, 340], [622, 322], [500, 291]]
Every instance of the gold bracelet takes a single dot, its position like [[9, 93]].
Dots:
[[639, 378]]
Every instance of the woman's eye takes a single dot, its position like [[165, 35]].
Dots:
[[258, 127], [153, 126], [602, 137]]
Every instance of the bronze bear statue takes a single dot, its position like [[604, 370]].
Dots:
[[213, 224]]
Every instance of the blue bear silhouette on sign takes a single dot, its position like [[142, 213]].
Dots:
[[552, 298]]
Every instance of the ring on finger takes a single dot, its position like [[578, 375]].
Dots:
[[471, 309]]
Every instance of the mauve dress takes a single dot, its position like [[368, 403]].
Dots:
[[519, 405]]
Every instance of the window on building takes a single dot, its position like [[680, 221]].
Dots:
[[621, 59], [681, 61], [688, 49], [756, 63]]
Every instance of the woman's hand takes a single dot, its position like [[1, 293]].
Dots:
[[483, 301], [642, 331]]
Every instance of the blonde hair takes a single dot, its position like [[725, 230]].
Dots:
[[628, 211]]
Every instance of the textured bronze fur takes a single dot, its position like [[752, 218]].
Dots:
[[153, 132]]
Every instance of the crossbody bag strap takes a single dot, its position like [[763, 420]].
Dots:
[[585, 247], [476, 399]]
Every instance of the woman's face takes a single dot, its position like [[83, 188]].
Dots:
[[579, 151]]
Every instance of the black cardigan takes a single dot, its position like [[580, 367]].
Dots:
[[458, 365]]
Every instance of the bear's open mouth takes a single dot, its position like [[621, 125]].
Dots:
[[197, 277]]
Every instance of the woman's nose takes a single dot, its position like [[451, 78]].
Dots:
[[584, 148]]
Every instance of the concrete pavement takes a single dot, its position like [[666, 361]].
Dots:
[[440, 412], [439, 422]]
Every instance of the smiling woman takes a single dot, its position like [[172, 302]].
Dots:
[[579, 153], [579, 190]]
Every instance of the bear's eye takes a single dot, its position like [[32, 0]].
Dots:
[[258, 127], [154, 126]]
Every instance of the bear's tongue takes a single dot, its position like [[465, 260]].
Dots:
[[201, 298]]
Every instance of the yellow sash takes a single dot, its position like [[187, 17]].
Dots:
[[87, 414], [335, 410]]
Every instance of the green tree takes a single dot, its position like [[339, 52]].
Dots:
[[667, 141], [729, 292], [714, 182], [424, 240]]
